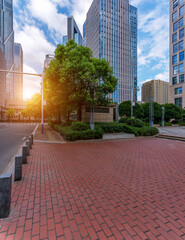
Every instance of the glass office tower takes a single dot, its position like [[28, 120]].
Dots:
[[177, 59], [133, 25], [18, 67], [7, 42], [73, 31], [108, 34]]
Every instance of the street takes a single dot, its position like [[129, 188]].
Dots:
[[12, 136]]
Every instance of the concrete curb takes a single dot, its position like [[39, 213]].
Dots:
[[11, 165]]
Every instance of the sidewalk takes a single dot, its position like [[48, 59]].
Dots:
[[126, 189], [49, 135]]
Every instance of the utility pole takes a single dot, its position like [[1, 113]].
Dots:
[[151, 112], [162, 116]]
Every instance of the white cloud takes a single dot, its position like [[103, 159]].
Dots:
[[31, 84], [46, 11], [163, 76], [35, 46]]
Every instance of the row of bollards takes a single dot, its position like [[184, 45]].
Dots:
[[6, 179]]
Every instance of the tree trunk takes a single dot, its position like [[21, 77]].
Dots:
[[79, 114]]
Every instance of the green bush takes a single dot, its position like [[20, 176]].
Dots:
[[147, 131], [116, 127], [71, 135], [166, 124], [132, 122], [182, 124], [79, 126]]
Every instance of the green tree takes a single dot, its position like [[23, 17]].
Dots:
[[125, 109], [10, 113], [33, 106], [157, 108], [172, 112], [75, 78]]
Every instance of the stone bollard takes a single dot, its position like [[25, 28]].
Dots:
[[25, 154], [30, 140], [18, 168], [28, 144], [5, 195]]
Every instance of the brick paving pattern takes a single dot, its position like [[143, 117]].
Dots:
[[127, 189]]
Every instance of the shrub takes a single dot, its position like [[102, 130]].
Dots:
[[147, 131], [166, 124], [132, 121], [182, 124], [116, 127], [69, 134], [79, 126]]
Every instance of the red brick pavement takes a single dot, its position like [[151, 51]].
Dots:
[[130, 189]]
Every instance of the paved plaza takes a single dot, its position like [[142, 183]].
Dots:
[[123, 189]]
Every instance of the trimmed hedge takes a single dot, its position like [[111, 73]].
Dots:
[[132, 122], [71, 135], [116, 127], [166, 124], [182, 124], [80, 126], [147, 131]]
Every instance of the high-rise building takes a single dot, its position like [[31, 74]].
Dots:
[[2, 85], [18, 67], [157, 90], [177, 60], [84, 33], [47, 60], [64, 40], [73, 31], [108, 34], [133, 25], [7, 42]]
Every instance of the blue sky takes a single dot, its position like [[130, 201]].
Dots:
[[40, 24]]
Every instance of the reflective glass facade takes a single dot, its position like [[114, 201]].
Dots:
[[133, 24], [177, 59], [18, 67], [7, 42], [73, 31], [108, 34]]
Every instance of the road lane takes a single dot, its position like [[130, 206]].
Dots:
[[12, 136]]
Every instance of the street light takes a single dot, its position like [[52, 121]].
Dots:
[[132, 100], [32, 74]]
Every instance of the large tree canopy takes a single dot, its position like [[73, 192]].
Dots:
[[75, 78], [125, 109]]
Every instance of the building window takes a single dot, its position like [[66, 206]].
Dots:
[[181, 11], [181, 22], [175, 4], [174, 38], [175, 26], [178, 90], [181, 78], [181, 45], [181, 56], [181, 2], [174, 80], [181, 33], [175, 48], [175, 69], [174, 16], [181, 68], [178, 102], [174, 59]]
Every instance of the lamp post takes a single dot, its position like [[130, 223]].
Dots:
[[31, 74]]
